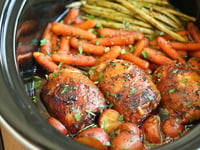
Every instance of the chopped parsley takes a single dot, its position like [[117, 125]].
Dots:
[[145, 54], [43, 42]]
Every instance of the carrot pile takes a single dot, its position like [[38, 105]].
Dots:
[[87, 43]]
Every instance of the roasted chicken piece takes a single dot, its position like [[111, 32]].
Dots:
[[129, 89], [72, 98], [180, 91]]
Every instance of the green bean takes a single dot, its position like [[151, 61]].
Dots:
[[112, 15], [133, 6], [117, 25]]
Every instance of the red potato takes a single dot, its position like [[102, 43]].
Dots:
[[173, 128], [94, 137], [109, 120], [151, 130], [129, 127], [71, 16], [57, 125], [126, 140]]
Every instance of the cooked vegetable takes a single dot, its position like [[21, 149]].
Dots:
[[151, 130], [79, 60], [126, 140], [168, 49], [64, 45], [45, 61], [155, 57], [134, 59], [71, 16], [67, 30], [86, 24], [173, 128], [57, 125], [45, 43], [87, 47], [140, 45], [109, 32], [194, 63], [94, 137], [114, 41], [112, 15], [102, 62], [193, 30], [128, 127], [192, 46], [135, 8], [109, 120]]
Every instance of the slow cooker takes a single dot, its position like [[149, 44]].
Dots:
[[18, 114]]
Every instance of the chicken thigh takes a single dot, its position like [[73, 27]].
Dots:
[[129, 89], [180, 91], [72, 98]]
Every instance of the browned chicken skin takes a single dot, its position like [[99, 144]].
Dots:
[[72, 98], [180, 91], [130, 90]]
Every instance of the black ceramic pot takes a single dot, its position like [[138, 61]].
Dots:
[[17, 111]]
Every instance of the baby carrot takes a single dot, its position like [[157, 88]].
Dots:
[[64, 44], [167, 48], [194, 63], [78, 60], [67, 30], [140, 45], [114, 41], [192, 46], [108, 32], [54, 41], [182, 53], [86, 24], [78, 20], [194, 53], [71, 16], [87, 47], [182, 33], [136, 60], [110, 55], [193, 30], [45, 61], [153, 56], [46, 41], [102, 62]]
